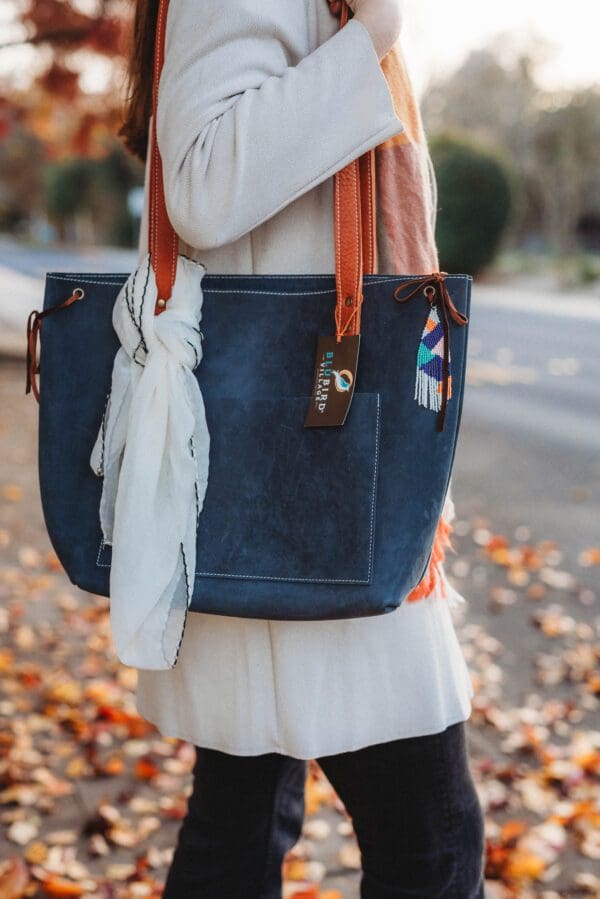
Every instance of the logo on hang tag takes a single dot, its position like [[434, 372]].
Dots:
[[333, 381]]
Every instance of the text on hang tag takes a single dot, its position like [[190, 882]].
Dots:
[[333, 381]]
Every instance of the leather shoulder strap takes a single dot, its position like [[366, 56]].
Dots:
[[354, 215], [163, 243]]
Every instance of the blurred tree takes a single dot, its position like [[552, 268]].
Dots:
[[474, 202], [21, 159], [70, 109], [565, 141], [90, 195], [485, 97], [68, 114], [549, 139]]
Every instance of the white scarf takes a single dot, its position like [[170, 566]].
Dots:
[[152, 451]]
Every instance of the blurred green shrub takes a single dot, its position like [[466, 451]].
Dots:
[[475, 193], [93, 192]]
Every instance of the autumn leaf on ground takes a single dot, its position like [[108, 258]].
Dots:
[[14, 878], [12, 493], [590, 556]]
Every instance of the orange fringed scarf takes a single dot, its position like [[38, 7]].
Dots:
[[406, 213]]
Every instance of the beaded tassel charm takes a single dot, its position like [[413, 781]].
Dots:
[[433, 387], [430, 364]]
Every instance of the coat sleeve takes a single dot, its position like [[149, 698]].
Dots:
[[241, 131]]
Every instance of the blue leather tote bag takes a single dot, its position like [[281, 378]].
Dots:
[[301, 520]]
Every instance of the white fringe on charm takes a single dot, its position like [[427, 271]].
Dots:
[[427, 391]]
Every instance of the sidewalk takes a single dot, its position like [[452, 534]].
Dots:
[[19, 294], [22, 280]]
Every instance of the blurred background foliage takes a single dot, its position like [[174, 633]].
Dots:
[[516, 164], [546, 143], [475, 193], [64, 174]]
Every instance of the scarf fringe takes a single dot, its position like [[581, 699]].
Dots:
[[434, 582]]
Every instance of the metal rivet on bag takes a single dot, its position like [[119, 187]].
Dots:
[[161, 303], [79, 293], [348, 301]]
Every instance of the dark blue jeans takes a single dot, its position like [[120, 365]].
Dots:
[[413, 805]]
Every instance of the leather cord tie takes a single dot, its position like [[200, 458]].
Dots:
[[436, 290], [34, 324]]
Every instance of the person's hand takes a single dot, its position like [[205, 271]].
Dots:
[[381, 18]]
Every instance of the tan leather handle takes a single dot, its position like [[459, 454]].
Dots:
[[355, 233], [163, 242], [354, 216]]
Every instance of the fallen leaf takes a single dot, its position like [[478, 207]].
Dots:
[[316, 829], [36, 853], [590, 556], [524, 866], [145, 769], [22, 832], [58, 886], [14, 879], [12, 493], [308, 891], [349, 856]]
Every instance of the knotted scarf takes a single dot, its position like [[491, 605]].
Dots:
[[152, 451]]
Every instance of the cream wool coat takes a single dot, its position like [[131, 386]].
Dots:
[[260, 103]]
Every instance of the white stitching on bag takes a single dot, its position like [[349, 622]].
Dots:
[[85, 277], [320, 579]]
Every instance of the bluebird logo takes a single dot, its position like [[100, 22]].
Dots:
[[343, 380], [326, 377], [334, 379]]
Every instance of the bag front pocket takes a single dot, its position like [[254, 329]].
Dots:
[[285, 502]]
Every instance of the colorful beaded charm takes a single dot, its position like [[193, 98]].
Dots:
[[430, 364]]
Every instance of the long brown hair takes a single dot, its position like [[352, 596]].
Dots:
[[138, 103]]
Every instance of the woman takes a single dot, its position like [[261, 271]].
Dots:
[[260, 103]]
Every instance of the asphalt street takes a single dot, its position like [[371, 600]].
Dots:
[[529, 451], [528, 461]]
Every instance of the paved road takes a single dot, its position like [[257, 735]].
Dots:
[[35, 262], [530, 442], [22, 272], [529, 455]]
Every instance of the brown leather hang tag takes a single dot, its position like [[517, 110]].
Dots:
[[333, 381]]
